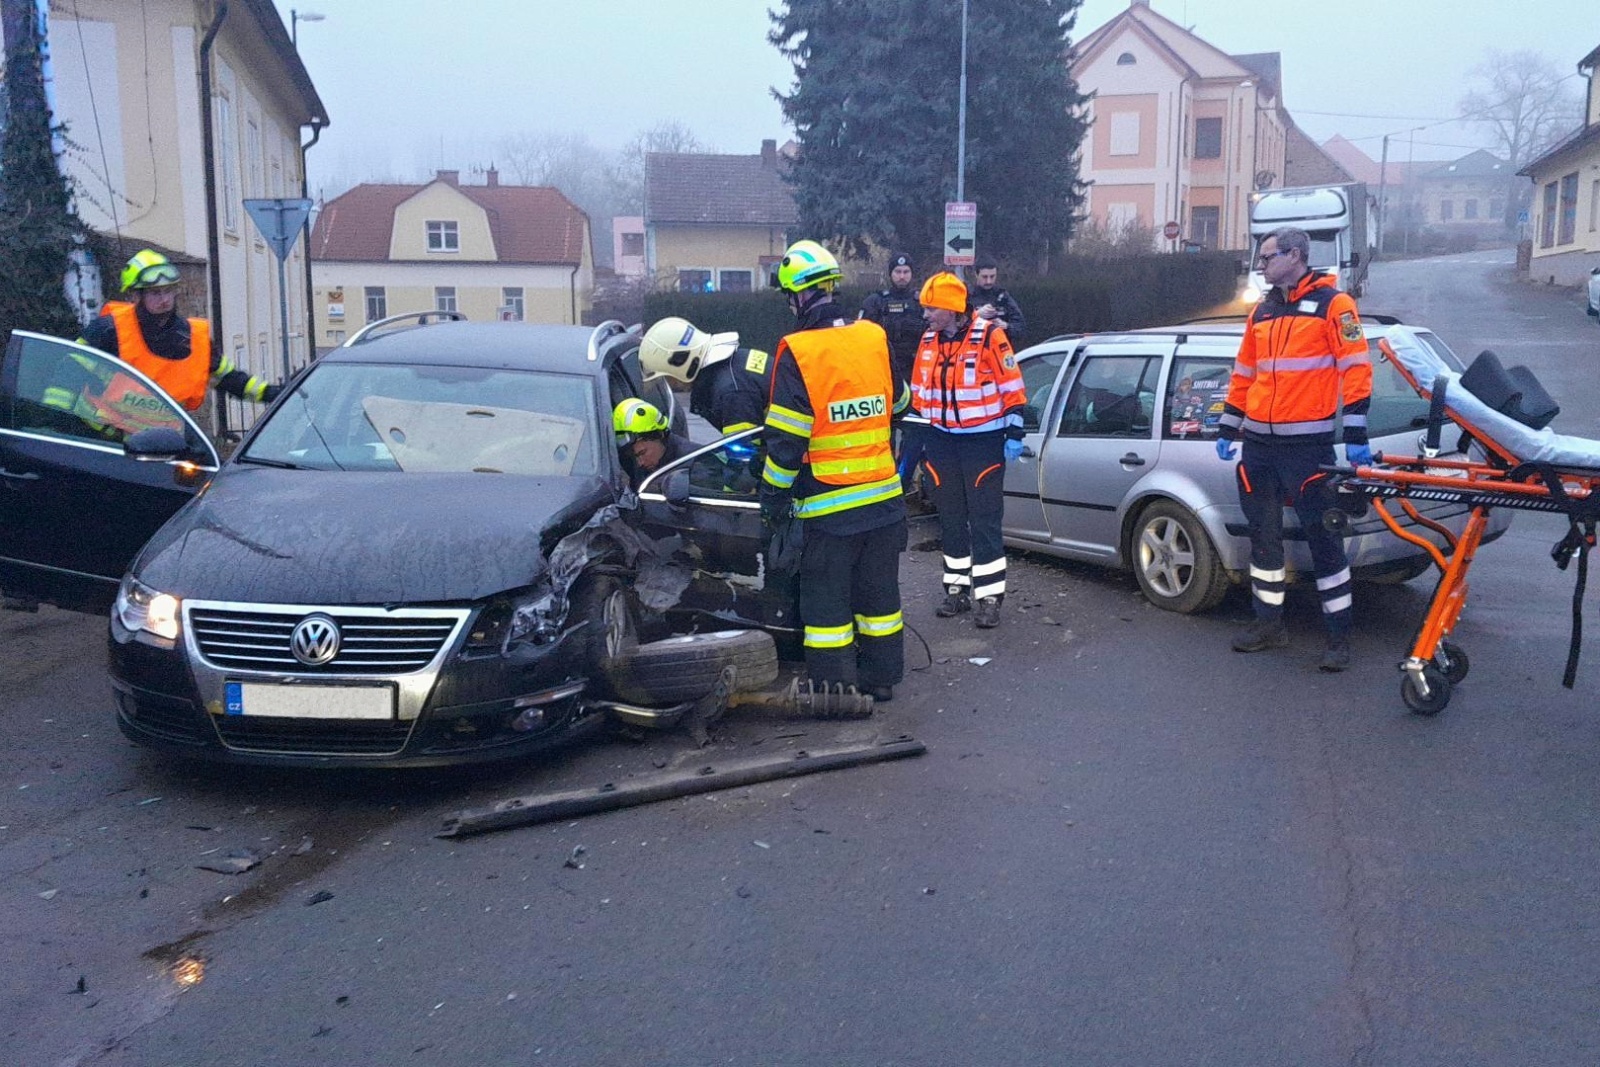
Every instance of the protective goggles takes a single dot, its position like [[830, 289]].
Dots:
[[156, 274]]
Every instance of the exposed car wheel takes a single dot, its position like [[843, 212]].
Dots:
[[687, 667], [1438, 691], [1174, 562], [612, 629]]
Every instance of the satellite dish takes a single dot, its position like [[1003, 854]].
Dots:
[[1264, 179]]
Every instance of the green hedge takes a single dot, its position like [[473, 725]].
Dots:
[[1083, 296]]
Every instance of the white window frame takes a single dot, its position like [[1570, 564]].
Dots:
[[228, 143], [448, 234], [723, 272], [514, 299], [444, 298], [711, 276], [377, 293], [1125, 134]]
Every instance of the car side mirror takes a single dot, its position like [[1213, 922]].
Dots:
[[677, 488], [159, 444]]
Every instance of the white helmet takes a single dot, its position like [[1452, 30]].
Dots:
[[675, 349]]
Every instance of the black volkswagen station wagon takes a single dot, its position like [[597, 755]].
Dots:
[[424, 552]]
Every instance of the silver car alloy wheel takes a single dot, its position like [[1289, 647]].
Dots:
[[1166, 556]]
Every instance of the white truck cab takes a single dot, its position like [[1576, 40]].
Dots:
[[1335, 218]]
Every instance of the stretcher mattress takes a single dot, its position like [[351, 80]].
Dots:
[[1524, 442]]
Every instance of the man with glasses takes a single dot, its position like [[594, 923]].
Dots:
[[178, 354], [1303, 349]]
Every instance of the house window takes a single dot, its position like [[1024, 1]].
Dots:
[[1469, 209], [1125, 134], [230, 164], [694, 280], [1447, 210], [735, 281], [511, 303], [1204, 224], [633, 244], [1547, 219], [1569, 209], [1594, 207], [444, 297], [252, 144], [1120, 218], [336, 337], [1126, 60], [443, 237], [377, 303], [1208, 138]]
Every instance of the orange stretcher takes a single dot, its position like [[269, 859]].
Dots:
[[1499, 473]]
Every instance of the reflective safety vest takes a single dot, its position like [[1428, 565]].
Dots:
[[185, 380], [969, 384], [851, 390]]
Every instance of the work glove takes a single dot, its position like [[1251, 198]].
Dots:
[[270, 393], [1358, 455], [1013, 449], [776, 508], [1226, 449]]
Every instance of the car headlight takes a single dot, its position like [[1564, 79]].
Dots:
[[535, 617], [1251, 295], [140, 608]]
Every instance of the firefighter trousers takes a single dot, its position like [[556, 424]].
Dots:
[[850, 605], [1274, 476], [969, 474]]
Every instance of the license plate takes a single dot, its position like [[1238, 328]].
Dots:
[[309, 701]]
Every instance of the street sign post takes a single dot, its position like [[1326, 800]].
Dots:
[[280, 221], [960, 233]]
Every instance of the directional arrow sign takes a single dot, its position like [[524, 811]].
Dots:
[[960, 233]]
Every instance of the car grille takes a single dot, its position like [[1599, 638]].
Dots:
[[384, 642], [312, 736]]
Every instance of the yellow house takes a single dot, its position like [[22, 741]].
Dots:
[[716, 222], [1181, 131], [181, 111], [1565, 213], [490, 251]]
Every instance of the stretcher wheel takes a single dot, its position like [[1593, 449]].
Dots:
[[1438, 691], [1452, 659]]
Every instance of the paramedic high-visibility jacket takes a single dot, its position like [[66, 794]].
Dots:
[[828, 425], [1301, 351], [970, 384]]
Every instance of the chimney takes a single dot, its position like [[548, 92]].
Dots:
[[450, 177], [492, 178], [769, 153]]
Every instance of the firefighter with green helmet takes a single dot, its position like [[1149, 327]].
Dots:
[[831, 470], [645, 441]]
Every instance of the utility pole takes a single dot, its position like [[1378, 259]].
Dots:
[[1383, 192], [961, 112]]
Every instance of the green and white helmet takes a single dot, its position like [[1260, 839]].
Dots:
[[806, 265], [148, 269], [633, 419]]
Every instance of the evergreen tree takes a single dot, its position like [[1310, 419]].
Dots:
[[875, 108], [37, 226]]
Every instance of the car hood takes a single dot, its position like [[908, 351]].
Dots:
[[263, 535]]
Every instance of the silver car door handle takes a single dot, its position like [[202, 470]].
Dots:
[[1027, 452], [1132, 459], [25, 476]]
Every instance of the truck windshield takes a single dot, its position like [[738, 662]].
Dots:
[[1324, 249]]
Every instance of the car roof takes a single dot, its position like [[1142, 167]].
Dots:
[[1222, 327], [521, 345]]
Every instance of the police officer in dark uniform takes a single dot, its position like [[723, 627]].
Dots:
[[899, 312], [987, 300]]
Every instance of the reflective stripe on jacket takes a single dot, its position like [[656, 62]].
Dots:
[[970, 384], [1300, 352], [185, 380]]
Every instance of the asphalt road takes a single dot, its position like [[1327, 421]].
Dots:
[[1127, 845]]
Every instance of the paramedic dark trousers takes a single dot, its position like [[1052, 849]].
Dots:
[[1271, 476], [850, 603], [969, 474]]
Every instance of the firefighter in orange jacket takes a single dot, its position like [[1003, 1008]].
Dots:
[[830, 466], [967, 385], [1303, 348], [175, 352]]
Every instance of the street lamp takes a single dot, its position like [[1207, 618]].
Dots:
[[297, 17]]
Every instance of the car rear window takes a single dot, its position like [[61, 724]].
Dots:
[[384, 417], [1196, 391]]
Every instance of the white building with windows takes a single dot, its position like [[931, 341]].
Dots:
[[1565, 213], [491, 251]]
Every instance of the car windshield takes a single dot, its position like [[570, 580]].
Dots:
[[383, 417]]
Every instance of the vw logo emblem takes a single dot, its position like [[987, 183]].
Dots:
[[315, 640]]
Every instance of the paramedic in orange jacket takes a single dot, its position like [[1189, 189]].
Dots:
[[965, 382], [177, 353], [1303, 349]]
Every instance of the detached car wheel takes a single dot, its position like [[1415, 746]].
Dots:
[[687, 667], [1173, 560]]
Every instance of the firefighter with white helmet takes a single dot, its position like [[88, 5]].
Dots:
[[728, 385]]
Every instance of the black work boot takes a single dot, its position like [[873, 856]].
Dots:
[[954, 604], [988, 614], [880, 694], [1262, 635], [1336, 657]]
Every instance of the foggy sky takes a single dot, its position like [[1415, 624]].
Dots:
[[415, 85]]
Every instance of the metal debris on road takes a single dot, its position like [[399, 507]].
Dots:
[[978, 661], [234, 861], [575, 860], [318, 897], [304, 846]]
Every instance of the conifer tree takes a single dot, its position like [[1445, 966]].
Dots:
[[38, 228], [875, 109]]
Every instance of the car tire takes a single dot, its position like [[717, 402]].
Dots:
[[612, 630], [1174, 561], [1398, 575], [687, 667]]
